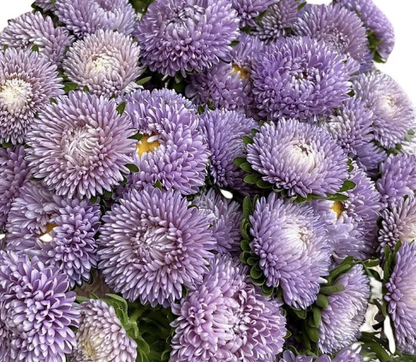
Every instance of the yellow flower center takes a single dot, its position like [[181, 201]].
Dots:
[[243, 73], [147, 144], [338, 208]]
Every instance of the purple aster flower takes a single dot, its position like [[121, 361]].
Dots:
[[87, 16], [299, 158], [289, 356], [186, 36], [293, 248], [249, 10], [345, 314], [345, 355], [36, 308], [171, 149], [226, 319], [105, 62], [393, 112], [14, 173], [46, 4], [225, 216], [59, 231], [27, 83], [401, 295], [224, 131], [33, 31], [80, 145], [398, 178], [152, 244], [278, 19], [299, 77], [101, 336]]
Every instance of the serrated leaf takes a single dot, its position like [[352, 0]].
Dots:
[[252, 179], [331, 289], [132, 167], [143, 80], [347, 186], [322, 301]]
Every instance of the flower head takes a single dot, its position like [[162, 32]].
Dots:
[[249, 10], [46, 4], [298, 157], [105, 62], [80, 145], [186, 36], [101, 336], [27, 83], [226, 319], [345, 355], [152, 244], [293, 248]]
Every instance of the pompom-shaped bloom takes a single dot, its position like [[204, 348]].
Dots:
[[398, 178], [27, 83], [345, 314], [36, 308], [152, 244], [59, 231], [299, 158], [299, 77], [293, 248], [225, 216], [87, 16], [33, 31], [226, 319], [393, 112], [401, 296], [171, 149], [79, 146], [14, 173], [101, 336], [186, 36], [224, 131], [278, 18], [249, 10], [105, 62], [345, 355], [46, 4]]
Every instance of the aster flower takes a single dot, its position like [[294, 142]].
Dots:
[[59, 231], [34, 31], [27, 83], [46, 4], [224, 131], [36, 307], [171, 149], [299, 77], [401, 294], [87, 16], [299, 158], [105, 62], [345, 355], [226, 319], [152, 244], [393, 112], [249, 10], [293, 248], [79, 146], [101, 336], [278, 18], [343, 317], [225, 216], [186, 36], [14, 173]]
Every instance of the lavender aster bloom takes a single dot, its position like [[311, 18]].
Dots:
[[298, 157], [14, 173], [27, 83], [101, 336], [225, 216], [152, 244], [248, 10], [87, 16], [293, 248], [226, 319], [46, 4], [186, 36], [342, 319], [105, 62], [299, 77], [289, 356], [36, 307], [80, 146], [401, 295], [345, 355], [33, 30]]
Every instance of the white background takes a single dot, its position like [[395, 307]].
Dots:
[[401, 64]]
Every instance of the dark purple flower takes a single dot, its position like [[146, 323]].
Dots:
[[152, 244], [80, 145], [186, 36], [226, 319], [27, 83], [249, 10]]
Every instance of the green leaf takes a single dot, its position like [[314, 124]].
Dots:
[[328, 290], [158, 185], [137, 137], [312, 333], [132, 167], [247, 140], [81, 299], [300, 313], [244, 256], [267, 291], [322, 301], [337, 197], [246, 167], [143, 80], [245, 245], [35, 48], [247, 207], [252, 179], [235, 43], [340, 269], [70, 86], [252, 261], [263, 184], [143, 346], [121, 107], [347, 186], [317, 317], [256, 273], [239, 160]]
